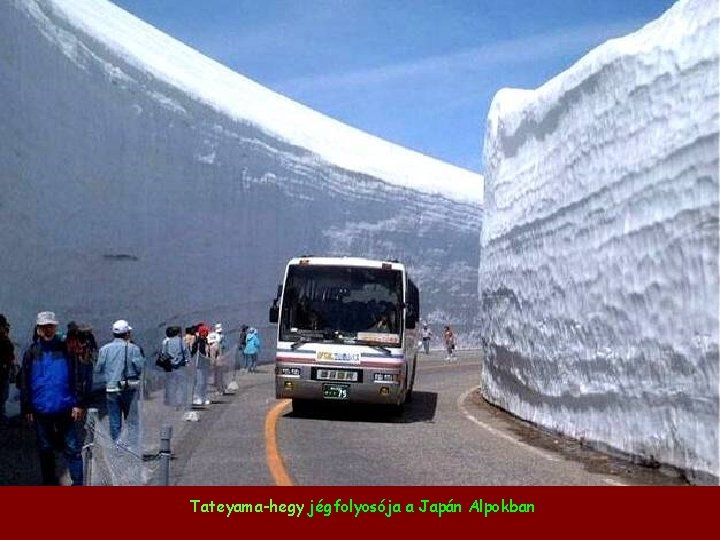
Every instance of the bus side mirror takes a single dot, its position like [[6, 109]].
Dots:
[[411, 316], [274, 310]]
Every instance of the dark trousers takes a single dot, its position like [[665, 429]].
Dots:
[[4, 393], [85, 377], [58, 430]]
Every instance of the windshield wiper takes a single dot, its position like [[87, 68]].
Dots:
[[305, 339], [308, 336], [381, 348]]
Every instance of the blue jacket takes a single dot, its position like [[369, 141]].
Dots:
[[48, 384], [252, 343], [111, 361]]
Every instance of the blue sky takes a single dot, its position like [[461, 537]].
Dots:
[[418, 73]]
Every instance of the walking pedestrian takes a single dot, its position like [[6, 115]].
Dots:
[[190, 335], [83, 348], [176, 389], [220, 339], [7, 366], [215, 362], [122, 362], [219, 361], [426, 336], [89, 355], [252, 349], [51, 400], [242, 338], [201, 351], [449, 338]]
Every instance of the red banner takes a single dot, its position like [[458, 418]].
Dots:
[[359, 511]]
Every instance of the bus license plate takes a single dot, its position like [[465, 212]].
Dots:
[[336, 391]]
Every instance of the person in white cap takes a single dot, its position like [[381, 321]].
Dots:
[[220, 366], [122, 362], [426, 337], [216, 342], [51, 400]]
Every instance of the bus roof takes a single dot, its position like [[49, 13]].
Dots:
[[360, 262]]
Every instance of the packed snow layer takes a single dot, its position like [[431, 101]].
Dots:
[[147, 49], [127, 193], [599, 256]]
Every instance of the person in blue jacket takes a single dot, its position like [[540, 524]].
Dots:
[[51, 399], [252, 349]]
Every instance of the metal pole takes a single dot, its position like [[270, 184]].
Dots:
[[90, 422], [165, 436]]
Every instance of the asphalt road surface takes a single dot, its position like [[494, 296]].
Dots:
[[446, 436]]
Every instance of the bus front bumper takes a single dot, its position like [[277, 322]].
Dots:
[[369, 390]]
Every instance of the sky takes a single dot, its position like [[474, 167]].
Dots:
[[419, 73]]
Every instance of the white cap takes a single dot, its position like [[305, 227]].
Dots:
[[45, 318], [121, 327], [218, 327]]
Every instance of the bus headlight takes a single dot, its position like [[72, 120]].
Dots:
[[385, 377], [291, 371]]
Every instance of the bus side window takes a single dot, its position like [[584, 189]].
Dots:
[[413, 305]]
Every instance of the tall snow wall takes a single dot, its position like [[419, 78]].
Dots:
[[124, 195], [599, 252]]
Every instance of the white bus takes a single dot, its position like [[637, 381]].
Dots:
[[347, 331]]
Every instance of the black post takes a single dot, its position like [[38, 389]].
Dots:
[[165, 436], [91, 421]]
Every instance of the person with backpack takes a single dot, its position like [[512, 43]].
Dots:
[[51, 400], [175, 350], [122, 362]]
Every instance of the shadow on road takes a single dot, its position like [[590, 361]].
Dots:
[[421, 409]]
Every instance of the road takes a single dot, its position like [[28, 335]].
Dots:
[[446, 436]]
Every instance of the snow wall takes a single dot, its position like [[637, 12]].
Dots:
[[599, 252], [124, 195]]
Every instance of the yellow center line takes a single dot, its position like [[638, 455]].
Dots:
[[272, 453]]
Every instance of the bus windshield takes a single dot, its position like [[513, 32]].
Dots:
[[343, 304]]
